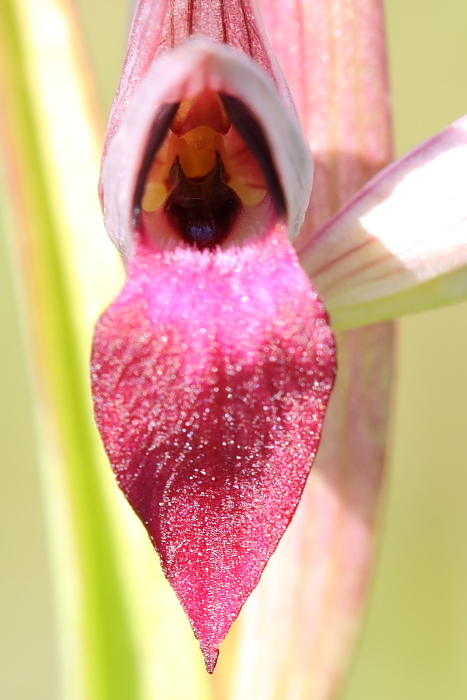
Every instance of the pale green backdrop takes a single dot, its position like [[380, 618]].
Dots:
[[414, 643]]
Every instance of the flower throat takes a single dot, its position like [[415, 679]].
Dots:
[[207, 160]]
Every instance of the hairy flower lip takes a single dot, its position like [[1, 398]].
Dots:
[[211, 376], [197, 64]]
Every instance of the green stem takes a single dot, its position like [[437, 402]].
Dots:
[[111, 669]]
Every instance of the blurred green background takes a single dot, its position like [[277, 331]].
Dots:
[[414, 641]]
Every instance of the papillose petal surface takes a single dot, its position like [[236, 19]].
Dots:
[[211, 373]]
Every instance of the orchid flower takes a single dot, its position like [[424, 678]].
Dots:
[[294, 633], [213, 368]]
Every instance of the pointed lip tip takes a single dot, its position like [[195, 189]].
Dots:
[[211, 656]]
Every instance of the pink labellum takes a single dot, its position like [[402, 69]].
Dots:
[[211, 374]]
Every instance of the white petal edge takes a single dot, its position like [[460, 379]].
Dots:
[[182, 73], [400, 245]]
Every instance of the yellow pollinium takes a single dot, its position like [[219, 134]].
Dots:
[[201, 132], [250, 192], [197, 151], [154, 195], [242, 170], [156, 188]]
